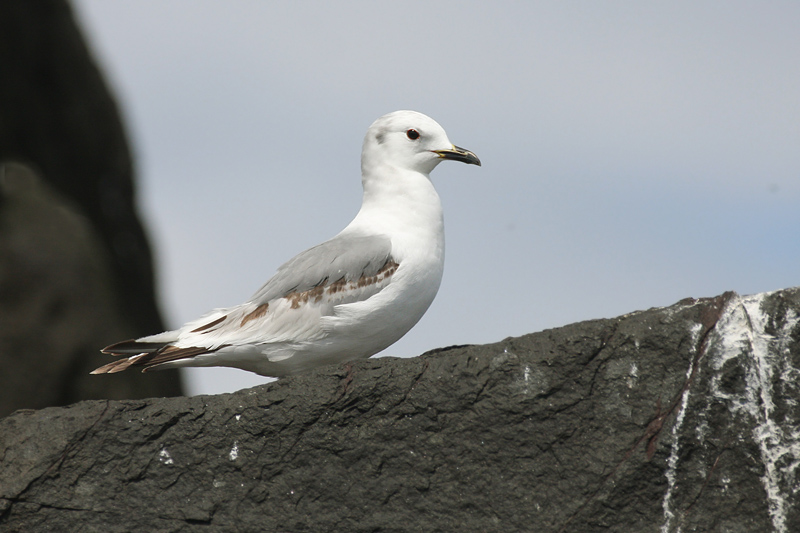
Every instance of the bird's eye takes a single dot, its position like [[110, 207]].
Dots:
[[412, 134]]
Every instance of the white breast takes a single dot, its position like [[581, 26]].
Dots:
[[411, 215]]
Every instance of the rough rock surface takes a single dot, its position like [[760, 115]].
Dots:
[[682, 418]]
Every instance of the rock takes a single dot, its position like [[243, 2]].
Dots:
[[59, 117], [673, 419], [58, 305], [70, 238]]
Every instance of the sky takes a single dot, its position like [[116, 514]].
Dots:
[[634, 153]]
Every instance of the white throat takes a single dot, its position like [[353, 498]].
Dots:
[[402, 204]]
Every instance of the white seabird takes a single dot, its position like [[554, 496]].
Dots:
[[347, 298]]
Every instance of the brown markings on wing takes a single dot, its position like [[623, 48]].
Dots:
[[258, 312], [209, 325], [297, 298], [315, 293], [386, 271], [337, 286]]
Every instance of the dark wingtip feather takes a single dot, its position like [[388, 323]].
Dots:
[[115, 366], [133, 347], [146, 355]]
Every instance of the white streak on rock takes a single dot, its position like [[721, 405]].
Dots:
[[742, 331], [672, 460]]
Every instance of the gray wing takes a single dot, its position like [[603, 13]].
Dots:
[[347, 257]]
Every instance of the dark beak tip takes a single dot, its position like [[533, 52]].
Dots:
[[469, 156], [459, 154], [471, 159]]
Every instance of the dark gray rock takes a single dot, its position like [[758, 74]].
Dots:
[[58, 117], [75, 266], [679, 418], [57, 303]]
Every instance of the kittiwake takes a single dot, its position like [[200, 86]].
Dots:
[[345, 299]]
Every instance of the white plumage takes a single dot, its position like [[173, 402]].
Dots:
[[347, 298]]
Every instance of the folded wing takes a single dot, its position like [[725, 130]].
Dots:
[[286, 309]]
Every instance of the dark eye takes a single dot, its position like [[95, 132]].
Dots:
[[412, 134]]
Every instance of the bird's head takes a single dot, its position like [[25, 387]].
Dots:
[[412, 141]]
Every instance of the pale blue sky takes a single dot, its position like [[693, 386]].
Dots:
[[634, 154]]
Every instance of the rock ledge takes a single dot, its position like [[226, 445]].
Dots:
[[678, 418]]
